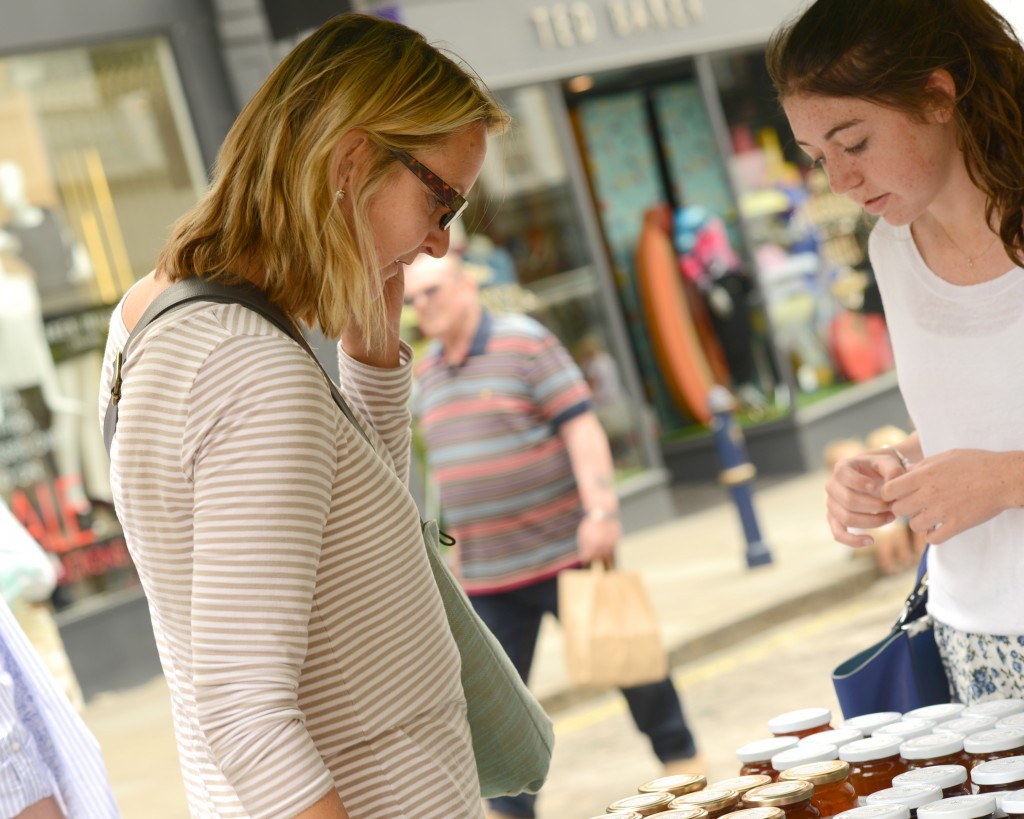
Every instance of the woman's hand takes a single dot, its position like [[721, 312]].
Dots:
[[957, 490], [854, 495], [353, 340]]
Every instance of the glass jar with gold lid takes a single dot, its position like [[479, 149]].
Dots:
[[793, 796], [619, 816], [742, 784], [716, 801], [756, 813], [833, 792], [645, 804], [689, 812], [676, 784]]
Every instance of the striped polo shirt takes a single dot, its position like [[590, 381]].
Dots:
[[508, 494]]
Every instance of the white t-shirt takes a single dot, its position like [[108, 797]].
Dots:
[[958, 358]]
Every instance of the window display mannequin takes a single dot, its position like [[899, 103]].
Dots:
[[59, 263], [62, 271]]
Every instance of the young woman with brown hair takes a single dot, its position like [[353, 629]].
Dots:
[[915, 108]]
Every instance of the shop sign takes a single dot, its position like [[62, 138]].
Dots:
[[565, 25]]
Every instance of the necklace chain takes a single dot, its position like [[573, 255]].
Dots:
[[970, 259]]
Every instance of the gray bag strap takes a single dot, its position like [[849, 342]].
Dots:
[[195, 289]]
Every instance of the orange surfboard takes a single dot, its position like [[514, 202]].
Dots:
[[673, 337]]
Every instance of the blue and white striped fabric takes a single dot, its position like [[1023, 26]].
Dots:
[[45, 748]]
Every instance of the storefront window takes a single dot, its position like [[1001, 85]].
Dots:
[[810, 244], [526, 239], [671, 223], [97, 159]]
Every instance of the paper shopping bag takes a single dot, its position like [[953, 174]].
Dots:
[[610, 628]]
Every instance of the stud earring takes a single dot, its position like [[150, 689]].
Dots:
[[339, 194]]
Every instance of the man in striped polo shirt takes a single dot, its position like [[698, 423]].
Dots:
[[525, 477]]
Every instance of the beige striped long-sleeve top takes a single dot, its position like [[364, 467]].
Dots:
[[299, 627]]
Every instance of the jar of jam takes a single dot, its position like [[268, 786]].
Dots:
[[837, 736], [1012, 721], [940, 748], [793, 796], [908, 728], [676, 784], [976, 806], [753, 813], [995, 743], [867, 724], [630, 815], [943, 712], [995, 708], [877, 812], [742, 784], [1012, 804], [689, 812], [684, 813], [833, 792], [716, 801], [951, 778], [756, 757], [912, 795], [965, 726], [874, 761], [1006, 774], [801, 723], [644, 804], [802, 754]]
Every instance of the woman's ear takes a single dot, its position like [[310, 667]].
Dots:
[[941, 90], [348, 156]]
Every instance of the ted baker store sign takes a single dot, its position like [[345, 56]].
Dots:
[[565, 25]]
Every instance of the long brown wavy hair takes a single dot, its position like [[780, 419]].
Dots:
[[270, 215], [884, 51]]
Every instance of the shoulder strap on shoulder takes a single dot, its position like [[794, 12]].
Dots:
[[195, 289]]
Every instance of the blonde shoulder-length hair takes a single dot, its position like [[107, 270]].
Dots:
[[270, 215]]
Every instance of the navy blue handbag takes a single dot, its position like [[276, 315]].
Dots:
[[900, 672]]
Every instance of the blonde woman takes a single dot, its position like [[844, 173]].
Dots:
[[311, 670]]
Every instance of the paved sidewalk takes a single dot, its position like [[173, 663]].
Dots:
[[700, 584]]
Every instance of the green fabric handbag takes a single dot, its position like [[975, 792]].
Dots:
[[512, 736]]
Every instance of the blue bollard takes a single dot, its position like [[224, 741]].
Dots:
[[737, 472]]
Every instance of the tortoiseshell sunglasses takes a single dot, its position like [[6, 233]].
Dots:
[[445, 193]]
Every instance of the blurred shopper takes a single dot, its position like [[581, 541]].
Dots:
[[311, 668], [50, 765], [525, 477], [914, 109]]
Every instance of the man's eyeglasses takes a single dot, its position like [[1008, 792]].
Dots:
[[427, 292], [445, 193]]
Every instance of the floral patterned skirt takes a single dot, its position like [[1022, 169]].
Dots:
[[981, 666]]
